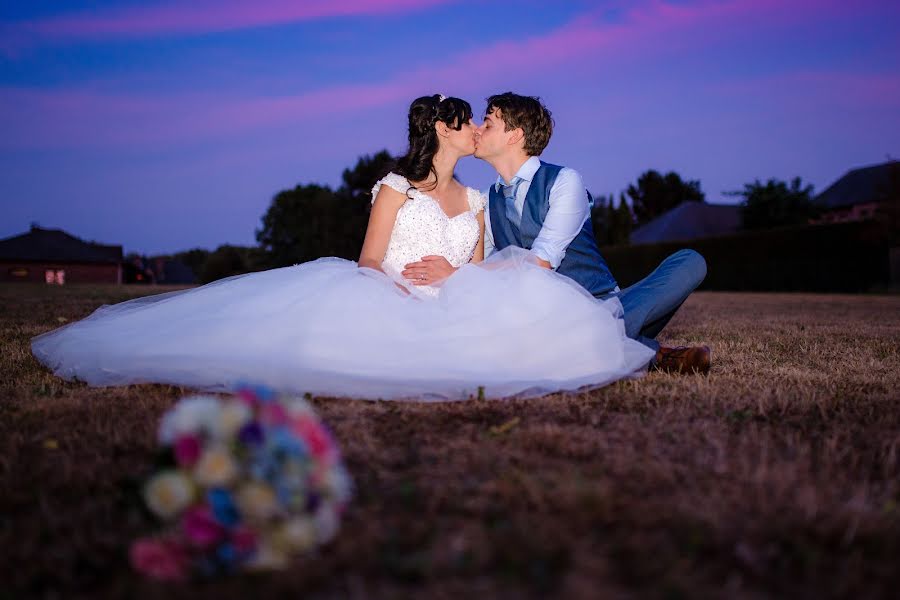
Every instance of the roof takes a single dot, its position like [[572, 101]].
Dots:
[[860, 186], [57, 246], [688, 221]]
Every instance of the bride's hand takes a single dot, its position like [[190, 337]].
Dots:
[[428, 271]]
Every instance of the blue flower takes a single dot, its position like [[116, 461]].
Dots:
[[286, 442], [264, 467], [263, 393], [223, 507]]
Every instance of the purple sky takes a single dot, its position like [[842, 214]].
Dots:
[[164, 126]]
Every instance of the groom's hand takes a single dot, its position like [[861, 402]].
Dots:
[[428, 271]]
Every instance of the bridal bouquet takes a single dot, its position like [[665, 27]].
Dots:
[[255, 480]]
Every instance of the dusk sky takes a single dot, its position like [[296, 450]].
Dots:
[[164, 126]]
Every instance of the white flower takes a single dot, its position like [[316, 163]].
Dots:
[[298, 407], [191, 415], [267, 557], [337, 485], [216, 467], [298, 535], [326, 523], [231, 416], [257, 501], [168, 493]]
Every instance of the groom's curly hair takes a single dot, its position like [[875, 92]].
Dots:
[[527, 112]]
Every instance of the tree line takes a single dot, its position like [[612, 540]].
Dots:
[[311, 220]]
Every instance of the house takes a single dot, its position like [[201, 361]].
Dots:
[[689, 221], [857, 195], [55, 257]]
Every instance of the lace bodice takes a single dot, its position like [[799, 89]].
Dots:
[[423, 228]]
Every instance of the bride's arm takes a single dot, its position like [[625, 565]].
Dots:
[[381, 222], [478, 255]]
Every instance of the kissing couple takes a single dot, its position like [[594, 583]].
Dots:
[[456, 292]]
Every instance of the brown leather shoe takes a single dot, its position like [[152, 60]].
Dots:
[[683, 359]]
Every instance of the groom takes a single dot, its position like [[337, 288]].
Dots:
[[545, 208]]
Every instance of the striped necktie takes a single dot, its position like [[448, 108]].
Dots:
[[509, 192]]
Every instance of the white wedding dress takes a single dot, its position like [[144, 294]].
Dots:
[[330, 328]]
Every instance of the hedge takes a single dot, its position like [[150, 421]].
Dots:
[[842, 257]]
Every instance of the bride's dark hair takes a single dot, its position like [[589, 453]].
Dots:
[[424, 113]]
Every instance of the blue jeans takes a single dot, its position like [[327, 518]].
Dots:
[[651, 302]]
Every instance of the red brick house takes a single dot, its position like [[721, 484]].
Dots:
[[859, 193], [53, 256]]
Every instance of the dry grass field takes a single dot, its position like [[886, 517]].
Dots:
[[776, 476]]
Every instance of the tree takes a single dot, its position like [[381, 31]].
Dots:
[[194, 258], [623, 221], [228, 260], [655, 194], [776, 204], [600, 218], [311, 221], [302, 224], [358, 181], [356, 192], [612, 226]]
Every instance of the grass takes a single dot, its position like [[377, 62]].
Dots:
[[777, 475]]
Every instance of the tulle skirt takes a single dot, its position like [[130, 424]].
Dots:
[[327, 327]]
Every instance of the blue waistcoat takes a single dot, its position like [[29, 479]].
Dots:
[[582, 261]]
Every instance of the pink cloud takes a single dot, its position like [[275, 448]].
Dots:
[[71, 119], [651, 30], [654, 29], [205, 16], [655, 26]]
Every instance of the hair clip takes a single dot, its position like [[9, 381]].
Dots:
[[441, 98]]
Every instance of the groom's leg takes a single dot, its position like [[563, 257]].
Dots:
[[650, 303]]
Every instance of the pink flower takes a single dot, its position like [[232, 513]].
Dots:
[[248, 397], [316, 437], [244, 539], [201, 528], [187, 450], [159, 558], [273, 414]]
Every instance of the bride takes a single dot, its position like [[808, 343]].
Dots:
[[421, 316]]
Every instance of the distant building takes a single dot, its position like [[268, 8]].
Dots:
[[689, 221], [857, 195], [53, 256]]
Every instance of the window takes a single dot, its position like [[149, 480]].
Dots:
[[18, 272], [55, 276]]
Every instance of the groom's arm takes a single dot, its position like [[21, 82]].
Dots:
[[568, 210]]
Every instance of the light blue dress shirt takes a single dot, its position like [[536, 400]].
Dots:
[[569, 209]]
